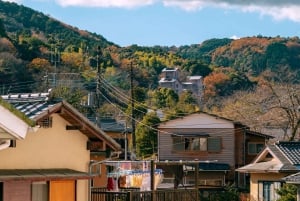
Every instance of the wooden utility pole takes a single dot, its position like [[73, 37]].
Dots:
[[98, 85], [132, 109]]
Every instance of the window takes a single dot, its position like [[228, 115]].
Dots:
[[255, 148], [39, 191], [46, 122], [267, 190], [1, 191], [211, 144]]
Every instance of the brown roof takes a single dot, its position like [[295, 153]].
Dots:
[[74, 117], [41, 174], [250, 132]]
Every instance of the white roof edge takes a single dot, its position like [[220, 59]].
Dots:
[[12, 124]]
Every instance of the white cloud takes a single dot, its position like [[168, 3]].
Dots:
[[234, 37], [106, 3], [278, 13], [278, 9]]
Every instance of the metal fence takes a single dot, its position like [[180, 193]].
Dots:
[[99, 194]]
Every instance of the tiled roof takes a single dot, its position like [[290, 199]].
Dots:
[[291, 150], [31, 104], [112, 125], [294, 178], [286, 159]]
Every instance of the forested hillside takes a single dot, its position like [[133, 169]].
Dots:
[[38, 52]]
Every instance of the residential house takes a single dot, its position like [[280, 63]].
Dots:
[[170, 78], [120, 132], [295, 180], [276, 163], [9, 132], [52, 163], [220, 145]]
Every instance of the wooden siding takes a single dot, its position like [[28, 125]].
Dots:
[[198, 120], [239, 146], [254, 139], [226, 155], [17, 191]]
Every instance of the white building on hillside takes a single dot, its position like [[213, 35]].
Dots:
[[170, 79]]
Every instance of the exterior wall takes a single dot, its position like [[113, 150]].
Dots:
[[120, 135], [197, 120], [53, 147], [255, 139], [239, 146], [101, 179], [16, 191], [226, 155], [256, 177]]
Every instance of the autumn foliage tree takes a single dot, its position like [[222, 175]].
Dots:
[[214, 83]]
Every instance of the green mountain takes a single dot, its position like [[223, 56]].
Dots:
[[34, 46]]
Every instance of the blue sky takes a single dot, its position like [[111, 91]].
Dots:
[[174, 22]]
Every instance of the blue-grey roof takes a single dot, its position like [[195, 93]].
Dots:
[[293, 179], [31, 104], [291, 150], [110, 124]]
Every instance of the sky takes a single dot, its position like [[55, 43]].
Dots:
[[174, 22]]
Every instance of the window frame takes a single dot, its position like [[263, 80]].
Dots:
[[185, 143], [257, 150], [268, 187]]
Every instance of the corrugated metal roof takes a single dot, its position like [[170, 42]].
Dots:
[[41, 174]]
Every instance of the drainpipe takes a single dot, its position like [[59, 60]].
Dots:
[[4, 144], [93, 163]]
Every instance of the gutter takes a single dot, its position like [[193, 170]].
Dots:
[[4, 144]]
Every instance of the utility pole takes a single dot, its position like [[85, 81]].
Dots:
[[55, 59], [98, 84], [132, 110], [47, 80]]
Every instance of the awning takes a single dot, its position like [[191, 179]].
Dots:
[[210, 166], [214, 166], [41, 174], [191, 135]]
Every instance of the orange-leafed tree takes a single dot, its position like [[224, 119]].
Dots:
[[39, 64], [214, 83]]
